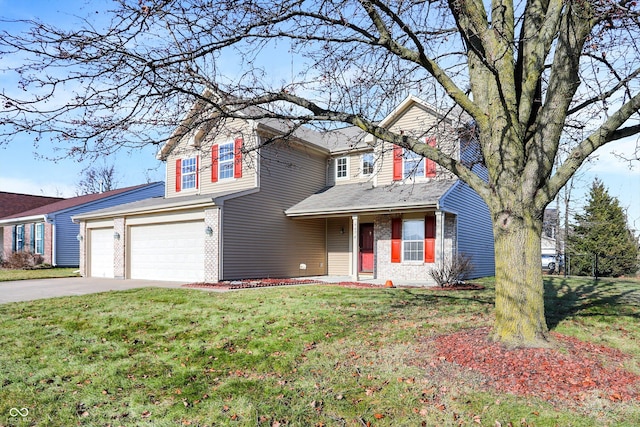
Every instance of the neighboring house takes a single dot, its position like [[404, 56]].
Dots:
[[244, 202], [552, 243], [47, 230], [11, 203]]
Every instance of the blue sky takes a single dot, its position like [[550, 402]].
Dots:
[[23, 170]]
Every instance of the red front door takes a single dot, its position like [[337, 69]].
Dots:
[[366, 248]]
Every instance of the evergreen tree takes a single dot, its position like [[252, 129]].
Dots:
[[601, 238]]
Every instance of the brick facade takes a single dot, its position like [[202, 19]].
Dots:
[[212, 219], [119, 248]]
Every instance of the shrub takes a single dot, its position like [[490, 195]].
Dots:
[[452, 271], [23, 260]]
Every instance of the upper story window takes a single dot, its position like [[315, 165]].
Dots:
[[409, 165], [39, 238], [412, 165], [367, 164], [187, 173], [342, 168], [226, 160]]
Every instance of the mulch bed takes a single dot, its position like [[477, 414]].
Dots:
[[573, 372], [262, 283]]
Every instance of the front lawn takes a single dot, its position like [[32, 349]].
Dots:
[[38, 273], [315, 355]]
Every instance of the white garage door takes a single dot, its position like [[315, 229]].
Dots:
[[173, 251], [101, 252]]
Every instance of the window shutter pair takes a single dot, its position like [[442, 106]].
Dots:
[[429, 239], [179, 174], [429, 166], [237, 160]]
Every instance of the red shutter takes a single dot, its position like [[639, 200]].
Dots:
[[178, 175], [197, 171], [237, 158], [430, 165], [397, 163], [430, 238], [214, 163], [396, 240]]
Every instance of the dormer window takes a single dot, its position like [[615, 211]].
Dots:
[[226, 160], [342, 168]]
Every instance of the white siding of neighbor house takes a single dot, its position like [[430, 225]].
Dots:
[[185, 149], [474, 227], [258, 239], [338, 240]]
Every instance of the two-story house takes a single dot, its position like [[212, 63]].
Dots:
[[257, 198]]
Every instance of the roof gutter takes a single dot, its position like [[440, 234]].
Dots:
[[145, 209], [349, 211]]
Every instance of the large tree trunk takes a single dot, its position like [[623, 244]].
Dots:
[[520, 320]]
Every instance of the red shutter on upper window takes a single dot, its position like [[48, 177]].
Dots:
[[178, 175], [237, 158], [214, 163], [396, 239], [397, 163], [430, 238], [430, 165]]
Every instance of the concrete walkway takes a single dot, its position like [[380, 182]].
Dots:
[[28, 290]]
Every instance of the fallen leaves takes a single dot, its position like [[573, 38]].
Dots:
[[549, 374]]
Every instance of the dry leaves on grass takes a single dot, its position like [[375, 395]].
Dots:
[[571, 372]]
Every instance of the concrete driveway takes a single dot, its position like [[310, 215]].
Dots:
[[27, 290]]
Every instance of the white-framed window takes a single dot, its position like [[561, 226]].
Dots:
[[225, 160], [412, 165], [188, 173], [19, 238], [413, 240], [39, 238], [367, 164], [342, 168]]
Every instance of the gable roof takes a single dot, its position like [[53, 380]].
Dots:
[[11, 203], [66, 204], [363, 197]]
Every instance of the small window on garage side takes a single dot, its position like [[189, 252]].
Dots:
[[342, 168]]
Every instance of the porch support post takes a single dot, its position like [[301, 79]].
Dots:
[[440, 244], [355, 253]]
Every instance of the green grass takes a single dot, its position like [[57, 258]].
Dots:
[[296, 356], [39, 273]]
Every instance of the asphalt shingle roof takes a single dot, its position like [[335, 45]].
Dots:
[[363, 197]]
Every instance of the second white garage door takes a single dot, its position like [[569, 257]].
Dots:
[[173, 251], [101, 252]]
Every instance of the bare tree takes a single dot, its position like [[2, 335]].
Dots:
[[521, 71], [97, 179]]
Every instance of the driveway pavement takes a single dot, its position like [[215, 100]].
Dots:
[[27, 290]]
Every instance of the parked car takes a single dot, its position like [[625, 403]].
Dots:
[[549, 262]]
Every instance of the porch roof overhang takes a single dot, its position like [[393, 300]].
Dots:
[[348, 199]]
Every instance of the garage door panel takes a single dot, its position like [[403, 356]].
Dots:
[[172, 251], [101, 252]]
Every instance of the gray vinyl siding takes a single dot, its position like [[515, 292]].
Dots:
[[338, 255], [67, 247], [475, 230], [258, 239]]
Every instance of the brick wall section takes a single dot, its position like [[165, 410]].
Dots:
[[83, 258], [212, 218], [408, 271], [7, 242], [119, 248]]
